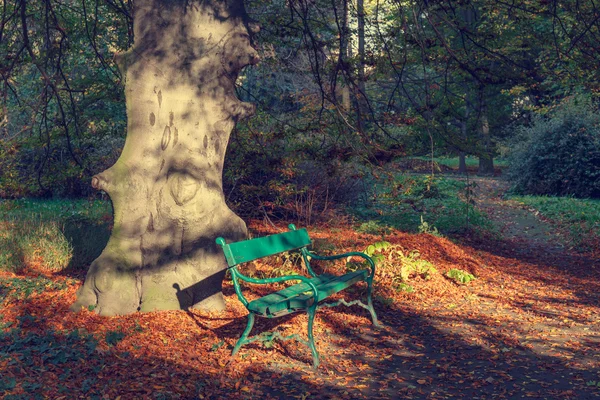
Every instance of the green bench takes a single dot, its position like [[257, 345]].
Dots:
[[306, 296]]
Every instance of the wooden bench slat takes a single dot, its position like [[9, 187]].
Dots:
[[249, 250], [292, 298]]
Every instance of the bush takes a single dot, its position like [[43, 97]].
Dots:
[[39, 243], [289, 175], [459, 276], [395, 265], [559, 154], [52, 235]]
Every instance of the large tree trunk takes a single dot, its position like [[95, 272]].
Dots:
[[166, 187]]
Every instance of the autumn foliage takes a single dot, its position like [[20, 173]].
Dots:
[[527, 325]]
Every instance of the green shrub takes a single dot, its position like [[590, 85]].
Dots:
[[53, 234], [460, 276], [406, 202], [396, 265], [27, 244], [373, 228], [274, 171], [559, 154], [425, 227]]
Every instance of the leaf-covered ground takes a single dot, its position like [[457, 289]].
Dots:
[[527, 327]]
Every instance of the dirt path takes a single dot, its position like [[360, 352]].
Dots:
[[514, 221]]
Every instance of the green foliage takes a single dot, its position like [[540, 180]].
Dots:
[[418, 187], [51, 347], [287, 264], [559, 154], [114, 337], [53, 234], [277, 172], [403, 287], [375, 250], [397, 265], [373, 228], [424, 227], [405, 201], [22, 288], [59, 130], [460, 276], [298, 156]]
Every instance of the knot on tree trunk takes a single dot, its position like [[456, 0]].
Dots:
[[100, 182]]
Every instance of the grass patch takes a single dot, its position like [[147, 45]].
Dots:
[[419, 203], [26, 244], [52, 234], [452, 162], [580, 218], [54, 210]]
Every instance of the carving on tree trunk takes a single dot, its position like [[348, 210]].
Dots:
[[166, 187]]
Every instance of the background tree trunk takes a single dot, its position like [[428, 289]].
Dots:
[[361, 89], [464, 133], [346, 54], [166, 187], [486, 161]]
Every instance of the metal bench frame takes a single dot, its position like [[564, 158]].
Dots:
[[307, 296]]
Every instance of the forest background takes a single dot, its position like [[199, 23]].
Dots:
[[342, 87]]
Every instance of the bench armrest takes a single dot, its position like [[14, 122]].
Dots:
[[350, 254], [235, 274]]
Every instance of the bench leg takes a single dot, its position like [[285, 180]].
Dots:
[[242, 340], [370, 303], [311, 340]]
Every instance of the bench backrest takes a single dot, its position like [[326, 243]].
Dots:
[[248, 250]]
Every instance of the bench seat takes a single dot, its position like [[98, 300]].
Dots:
[[295, 298]]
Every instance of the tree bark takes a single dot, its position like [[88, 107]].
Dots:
[[361, 92], [462, 163], [166, 187], [346, 54], [464, 132], [4, 122], [486, 161]]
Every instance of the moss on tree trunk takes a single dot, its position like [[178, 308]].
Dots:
[[166, 187]]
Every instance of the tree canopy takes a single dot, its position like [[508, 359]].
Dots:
[[338, 80]]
